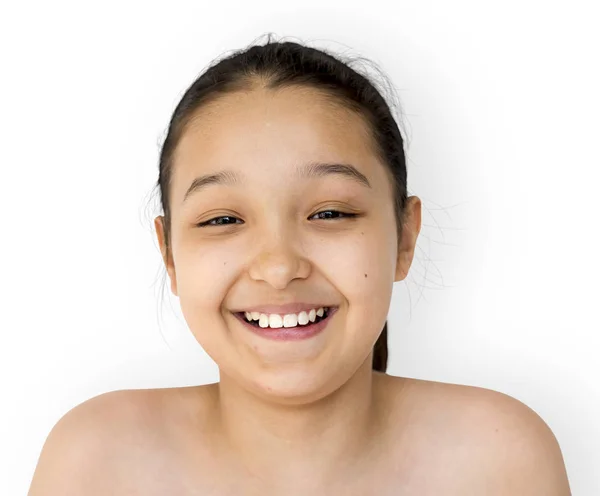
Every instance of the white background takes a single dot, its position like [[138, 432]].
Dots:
[[500, 103]]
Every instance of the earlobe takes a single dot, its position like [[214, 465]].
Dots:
[[173, 281], [160, 234], [408, 241], [158, 227], [402, 265]]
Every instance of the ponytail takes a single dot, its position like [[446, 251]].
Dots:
[[380, 351]]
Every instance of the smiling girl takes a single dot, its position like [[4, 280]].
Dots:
[[285, 224]]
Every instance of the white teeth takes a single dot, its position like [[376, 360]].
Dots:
[[302, 318], [276, 321], [290, 320]]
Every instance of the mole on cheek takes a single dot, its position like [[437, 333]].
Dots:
[[365, 275]]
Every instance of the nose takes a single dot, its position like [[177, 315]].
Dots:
[[279, 262]]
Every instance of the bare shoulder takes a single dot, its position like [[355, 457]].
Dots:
[[85, 445], [505, 446], [67, 457], [521, 445]]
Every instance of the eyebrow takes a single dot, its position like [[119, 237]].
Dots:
[[306, 171]]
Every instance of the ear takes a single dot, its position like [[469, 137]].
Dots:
[[159, 225], [408, 241]]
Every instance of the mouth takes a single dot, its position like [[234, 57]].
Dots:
[[264, 321], [292, 330]]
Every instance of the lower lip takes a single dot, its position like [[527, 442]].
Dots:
[[289, 333]]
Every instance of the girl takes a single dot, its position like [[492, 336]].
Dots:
[[286, 223]]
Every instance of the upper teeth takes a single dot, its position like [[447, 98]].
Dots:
[[288, 320]]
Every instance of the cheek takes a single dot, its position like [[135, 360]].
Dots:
[[205, 276], [205, 273], [361, 265]]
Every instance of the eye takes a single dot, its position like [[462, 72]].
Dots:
[[224, 220], [333, 214]]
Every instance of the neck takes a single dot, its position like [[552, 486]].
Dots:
[[318, 435]]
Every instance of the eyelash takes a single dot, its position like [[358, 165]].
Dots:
[[207, 223]]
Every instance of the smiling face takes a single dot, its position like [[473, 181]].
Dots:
[[260, 231]]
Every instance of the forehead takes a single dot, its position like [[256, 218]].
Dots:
[[271, 131]]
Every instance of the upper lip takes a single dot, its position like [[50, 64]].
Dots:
[[284, 309]]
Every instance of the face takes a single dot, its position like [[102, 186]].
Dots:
[[272, 234]]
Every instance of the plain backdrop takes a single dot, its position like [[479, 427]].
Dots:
[[500, 105]]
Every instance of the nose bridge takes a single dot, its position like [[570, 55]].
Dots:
[[278, 258]]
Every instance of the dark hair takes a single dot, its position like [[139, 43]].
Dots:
[[288, 64]]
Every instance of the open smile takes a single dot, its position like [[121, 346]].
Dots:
[[276, 329]]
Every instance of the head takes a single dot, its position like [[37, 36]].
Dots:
[[276, 221]]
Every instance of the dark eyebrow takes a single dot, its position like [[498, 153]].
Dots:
[[311, 170], [222, 177], [320, 169]]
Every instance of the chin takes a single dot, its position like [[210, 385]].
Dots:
[[293, 384]]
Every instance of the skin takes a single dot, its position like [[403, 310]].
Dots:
[[313, 407], [294, 418]]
